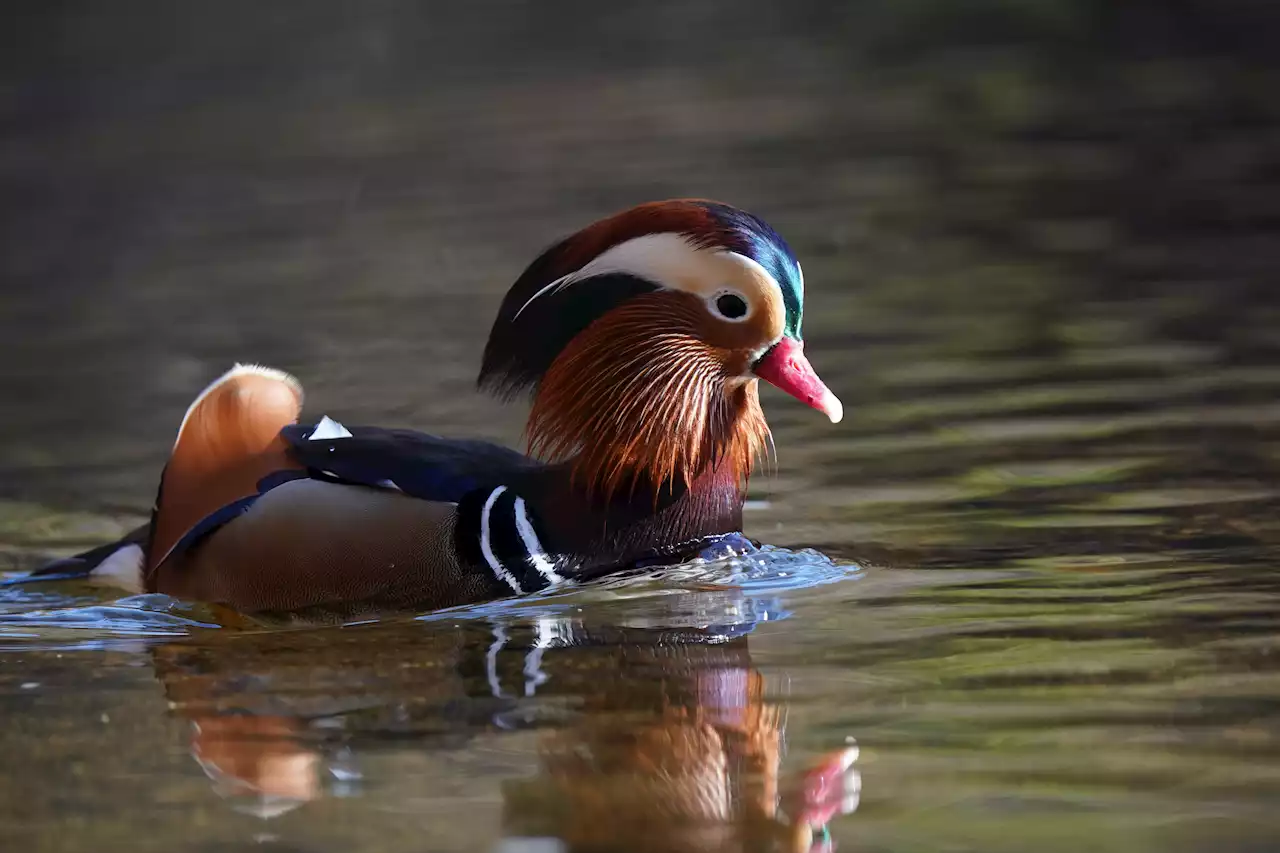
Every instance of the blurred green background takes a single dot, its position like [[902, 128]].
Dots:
[[346, 191]]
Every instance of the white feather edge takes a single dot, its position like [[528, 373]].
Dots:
[[327, 429], [534, 547], [122, 570], [242, 370]]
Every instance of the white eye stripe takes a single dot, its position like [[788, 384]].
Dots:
[[656, 257], [668, 260], [756, 269]]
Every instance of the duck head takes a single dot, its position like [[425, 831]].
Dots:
[[643, 337]]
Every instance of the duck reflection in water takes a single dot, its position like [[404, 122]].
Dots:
[[677, 747], [647, 737]]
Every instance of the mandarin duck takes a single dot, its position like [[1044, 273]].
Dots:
[[641, 338]]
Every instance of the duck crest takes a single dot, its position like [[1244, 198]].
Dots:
[[540, 315]]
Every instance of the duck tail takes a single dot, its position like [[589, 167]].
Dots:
[[228, 441], [117, 564]]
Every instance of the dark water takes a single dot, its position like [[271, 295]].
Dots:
[[1040, 242]]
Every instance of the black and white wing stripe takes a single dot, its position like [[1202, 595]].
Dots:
[[497, 529]]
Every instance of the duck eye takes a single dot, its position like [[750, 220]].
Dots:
[[731, 306]]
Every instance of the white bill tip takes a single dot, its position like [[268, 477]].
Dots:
[[832, 407]]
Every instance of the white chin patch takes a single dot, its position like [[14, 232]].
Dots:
[[328, 428]]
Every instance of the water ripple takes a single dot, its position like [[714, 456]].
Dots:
[[66, 627]]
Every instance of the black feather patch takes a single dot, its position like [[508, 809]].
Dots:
[[520, 349], [420, 465], [487, 533], [466, 529], [504, 539]]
